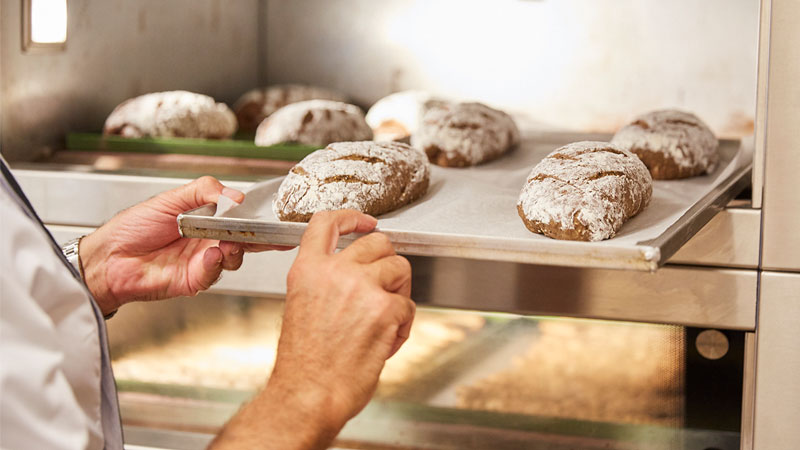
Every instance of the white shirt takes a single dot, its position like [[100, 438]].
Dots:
[[50, 354]]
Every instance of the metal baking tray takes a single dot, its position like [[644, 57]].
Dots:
[[420, 236]]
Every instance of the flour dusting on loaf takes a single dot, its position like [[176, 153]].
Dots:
[[314, 122], [464, 134], [584, 191], [171, 114], [371, 177], [257, 104], [671, 143]]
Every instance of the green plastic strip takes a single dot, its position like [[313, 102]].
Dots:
[[187, 146]]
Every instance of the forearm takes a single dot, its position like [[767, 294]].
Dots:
[[282, 416], [345, 313]]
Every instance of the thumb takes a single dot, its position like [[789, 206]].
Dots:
[[202, 191], [209, 270]]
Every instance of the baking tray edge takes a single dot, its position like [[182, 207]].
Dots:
[[200, 223], [673, 238]]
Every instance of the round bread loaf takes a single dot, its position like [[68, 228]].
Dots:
[[396, 117], [372, 177], [464, 134], [257, 104], [171, 114], [584, 191], [672, 144], [314, 122]]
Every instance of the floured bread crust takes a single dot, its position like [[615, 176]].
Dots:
[[584, 191], [371, 177], [314, 122], [171, 114], [396, 117], [464, 134], [257, 104], [672, 144]]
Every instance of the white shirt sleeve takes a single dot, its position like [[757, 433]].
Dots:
[[49, 344]]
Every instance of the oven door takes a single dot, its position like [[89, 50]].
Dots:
[[464, 379]]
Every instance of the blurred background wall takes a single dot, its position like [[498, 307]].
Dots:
[[117, 49], [585, 65], [575, 64]]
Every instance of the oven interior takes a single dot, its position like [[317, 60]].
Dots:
[[464, 378]]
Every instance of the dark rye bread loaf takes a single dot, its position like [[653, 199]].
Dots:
[[584, 191], [171, 114], [464, 134], [257, 104], [314, 122], [672, 144], [371, 177]]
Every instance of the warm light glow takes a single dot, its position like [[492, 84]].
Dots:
[[48, 21]]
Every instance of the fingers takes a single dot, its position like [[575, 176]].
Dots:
[[393, 274], [202, 191], [369, 248], [211, 268], [228, 256], [407, 310], [233, 252], [325, 227], [233, 194], [265, 247], [232, 255]]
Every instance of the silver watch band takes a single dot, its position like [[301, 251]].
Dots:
[[70, 251]]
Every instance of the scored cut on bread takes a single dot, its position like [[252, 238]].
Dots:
[[464, 134], [371, 177], [584, 191], [672, 144]]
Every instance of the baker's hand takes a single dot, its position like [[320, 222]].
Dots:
[[139, 254], [345, 314]]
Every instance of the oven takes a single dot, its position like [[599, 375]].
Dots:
[[701, 353]]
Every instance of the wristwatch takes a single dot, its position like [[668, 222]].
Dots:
[[70, 251]]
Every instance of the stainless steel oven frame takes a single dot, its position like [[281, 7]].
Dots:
[[740, 272]]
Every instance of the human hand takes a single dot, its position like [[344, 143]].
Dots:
[[345, 314], [139, 254]]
